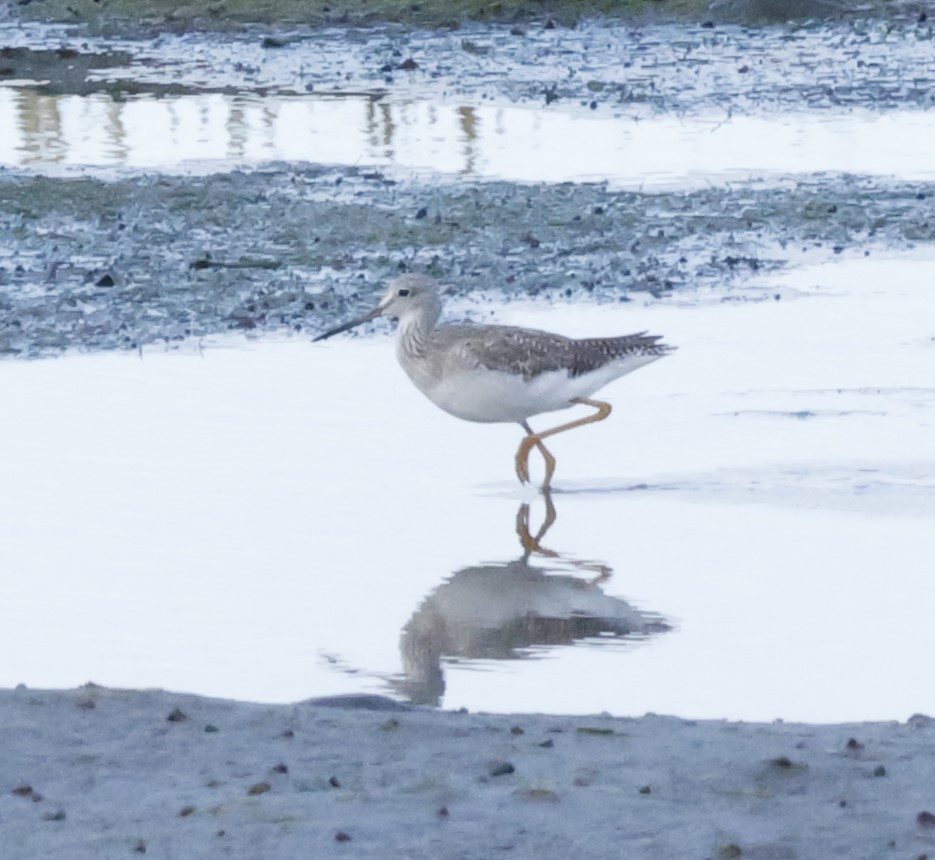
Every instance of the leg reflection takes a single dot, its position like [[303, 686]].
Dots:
[[531, 544]]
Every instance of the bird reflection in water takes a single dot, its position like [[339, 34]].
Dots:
[[503, 611]]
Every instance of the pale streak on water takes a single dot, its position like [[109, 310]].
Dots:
[[475, 141]]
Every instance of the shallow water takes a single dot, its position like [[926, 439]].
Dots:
[[747, 537], [476, 141], [645, 107], [279, 520]]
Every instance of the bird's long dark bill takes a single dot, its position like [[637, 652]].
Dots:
[[349, 325]]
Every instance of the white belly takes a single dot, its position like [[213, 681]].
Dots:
[[496, 396]]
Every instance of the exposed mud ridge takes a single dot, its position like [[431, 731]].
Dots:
[[68, 70], [642, 71], [140, 16], [88, 264]]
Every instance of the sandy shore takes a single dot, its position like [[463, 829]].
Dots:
[[107, 773]]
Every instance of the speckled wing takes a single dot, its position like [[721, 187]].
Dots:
[[594, 352], [531, 352]]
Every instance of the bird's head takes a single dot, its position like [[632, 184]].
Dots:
[[410, 295]]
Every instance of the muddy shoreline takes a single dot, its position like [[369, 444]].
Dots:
[[195, 777], [151, 16], [91, 259], [94, 264]]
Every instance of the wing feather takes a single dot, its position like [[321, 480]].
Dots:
[[530, 352]]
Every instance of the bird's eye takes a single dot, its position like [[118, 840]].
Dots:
[[403, 292]]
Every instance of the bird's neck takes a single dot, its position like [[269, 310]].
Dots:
[[413, 333]]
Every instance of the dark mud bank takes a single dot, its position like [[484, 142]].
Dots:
[[147, 16], [90, 264]]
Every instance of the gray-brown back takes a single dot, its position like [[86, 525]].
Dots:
[[530, 353]]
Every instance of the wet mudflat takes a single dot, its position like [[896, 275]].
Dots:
[[723, 153], [164, 258]]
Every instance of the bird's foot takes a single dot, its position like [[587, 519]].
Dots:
[[522, 460]]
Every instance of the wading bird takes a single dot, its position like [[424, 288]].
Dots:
[[498, 373]]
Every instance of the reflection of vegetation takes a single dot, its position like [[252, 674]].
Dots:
[[218, 14]]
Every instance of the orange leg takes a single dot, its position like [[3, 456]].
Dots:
[[522, 466], [535, 439]]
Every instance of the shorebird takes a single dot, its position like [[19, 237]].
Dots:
[[498, 373]]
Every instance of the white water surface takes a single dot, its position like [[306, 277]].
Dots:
[[481, 141], [260, 520]]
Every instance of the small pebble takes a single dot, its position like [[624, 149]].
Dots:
[[502, 769], [177, 716], [342, 836], [540, 795]]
